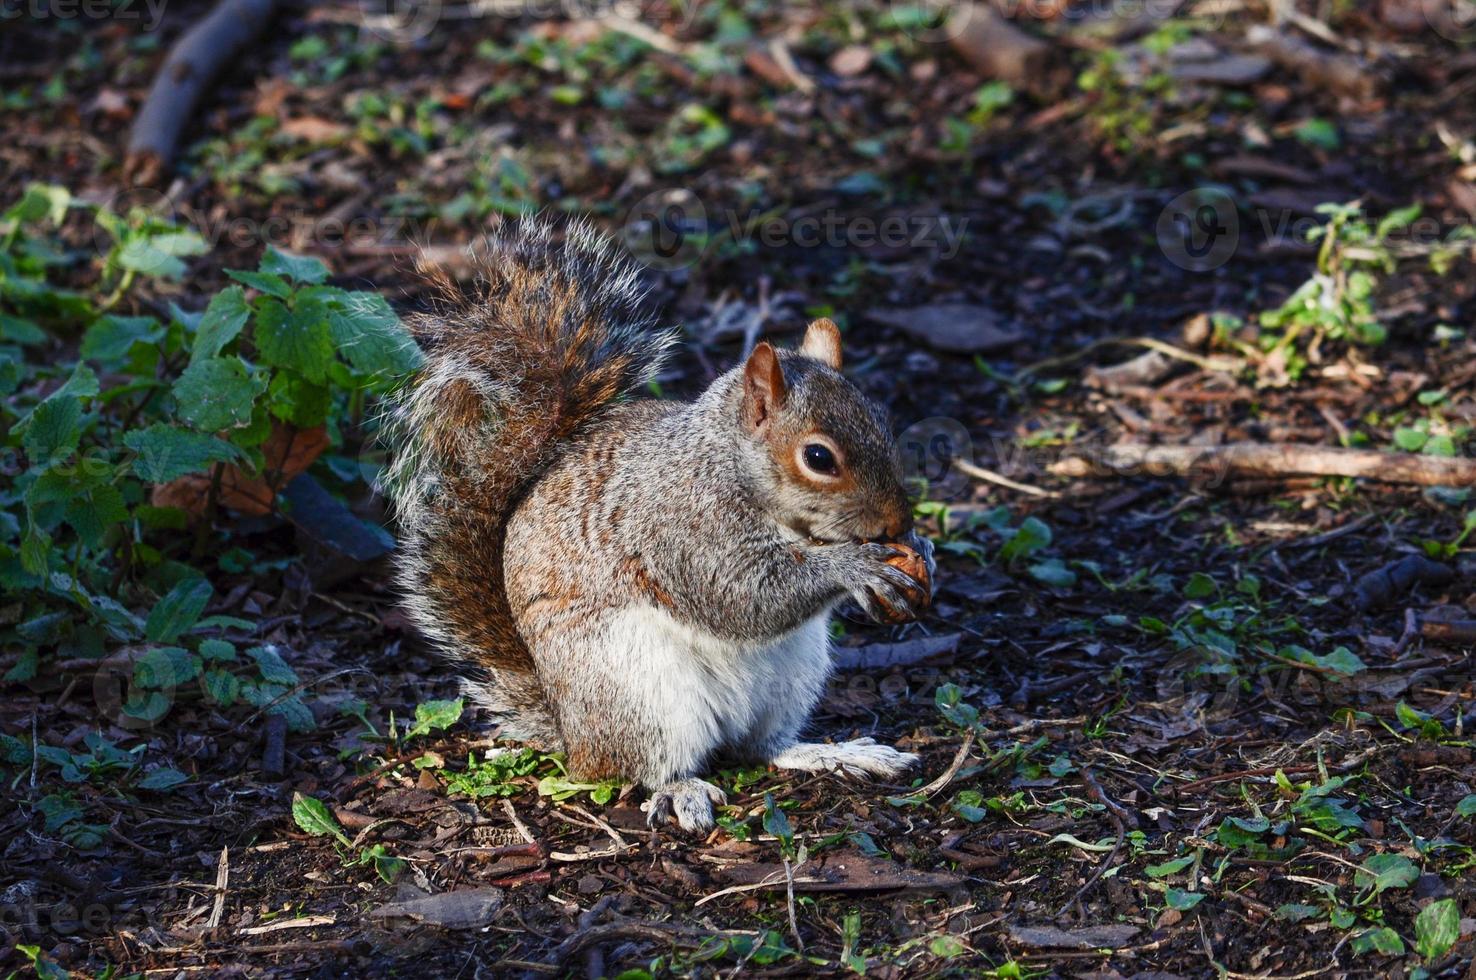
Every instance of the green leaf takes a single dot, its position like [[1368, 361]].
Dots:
[[1053, 572], [83, 384], [776, 821], [1182, 901], [1239, 831], [217, 649], [1382, 940], [434, 716], [1319, 133], [1410, 440], [948, 699], [221, 686], [299, 268], [163, 778], [1344, 661], [54, 431], [369, 334], [1397, 220], [1169, 867], [165, 668], [947, 947], [261, 282], [1467, 806], [1437, 928], [165, 452], [313, 817], [274, 669], [110, 339], [178, 610], [1033, 535], [298, 338], [159, 255], [216, 394], [1384, 871], [224, 318], [1441, 445], [1201, 586], [49, 201], [296, 400], [21, 331]]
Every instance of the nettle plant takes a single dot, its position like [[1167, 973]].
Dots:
[[149, 421], [1355, 254]]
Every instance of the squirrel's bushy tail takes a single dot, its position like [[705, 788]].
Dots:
[[552, 334]]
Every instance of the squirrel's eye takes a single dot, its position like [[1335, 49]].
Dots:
[[820, 459]]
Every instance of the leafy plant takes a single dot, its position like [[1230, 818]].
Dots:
[[92, 556], [313, 817], [1354, 254]]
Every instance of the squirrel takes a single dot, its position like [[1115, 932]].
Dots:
[[642, 584]]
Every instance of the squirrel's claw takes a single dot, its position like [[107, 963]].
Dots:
[[688, 802]]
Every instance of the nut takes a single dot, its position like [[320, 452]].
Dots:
[[918, 599]]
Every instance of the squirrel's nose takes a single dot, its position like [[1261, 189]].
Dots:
[[898, 522]]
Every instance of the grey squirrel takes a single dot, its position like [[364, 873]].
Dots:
[[642, 584]]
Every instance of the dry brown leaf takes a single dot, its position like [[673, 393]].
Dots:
[[287, 452]]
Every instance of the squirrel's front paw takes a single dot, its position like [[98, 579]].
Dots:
[[897, 581], [858, 758], [687, 801]]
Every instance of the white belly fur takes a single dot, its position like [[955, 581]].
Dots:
[[705, 693]]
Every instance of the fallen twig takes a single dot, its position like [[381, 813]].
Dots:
[[194, 61], [1271, 460], [1120, 820], [943, 780], [222, 883], [989, 476]]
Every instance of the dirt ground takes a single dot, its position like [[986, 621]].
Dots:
[[1168, 725]]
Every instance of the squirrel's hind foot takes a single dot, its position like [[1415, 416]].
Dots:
[[858, 758], [687, 801]]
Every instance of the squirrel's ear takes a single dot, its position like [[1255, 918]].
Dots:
[[763, 387], [823, 343]]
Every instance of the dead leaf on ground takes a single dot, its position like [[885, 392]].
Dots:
[[960, 328], [287, 452], [467, 908], [314, 129]]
